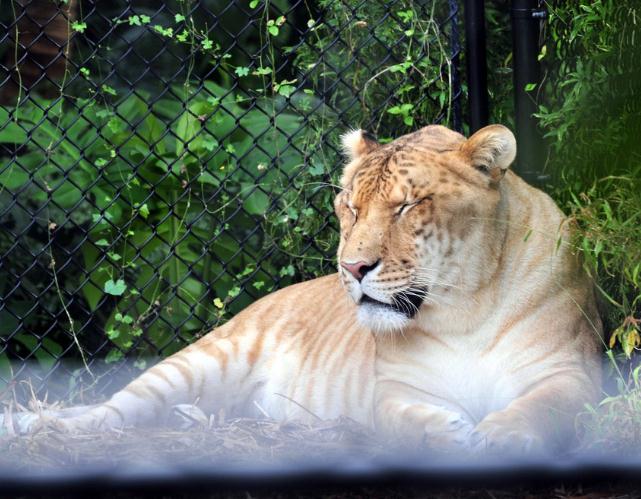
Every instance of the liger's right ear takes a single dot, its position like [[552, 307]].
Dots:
[[491, 150], [357, 143]]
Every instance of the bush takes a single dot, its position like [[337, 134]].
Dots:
[[592, 118], [165, 208]]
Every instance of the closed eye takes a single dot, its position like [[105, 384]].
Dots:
[[353, 210], [405, 207]]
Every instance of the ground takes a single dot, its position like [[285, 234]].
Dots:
[[262, 458]]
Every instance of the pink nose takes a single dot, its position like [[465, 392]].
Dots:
[[358, 269]]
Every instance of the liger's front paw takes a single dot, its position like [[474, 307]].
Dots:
[[45, 423], [452, 435], [497, 436]]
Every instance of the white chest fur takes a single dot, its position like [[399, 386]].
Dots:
[[459, 371]]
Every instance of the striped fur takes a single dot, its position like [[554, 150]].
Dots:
[[479, 326]]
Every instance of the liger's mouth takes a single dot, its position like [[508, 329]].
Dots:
[[406, 302]]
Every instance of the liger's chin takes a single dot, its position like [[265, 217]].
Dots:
[[380, 319]]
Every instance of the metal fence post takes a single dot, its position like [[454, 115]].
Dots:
[[526, 17], [476, 63]]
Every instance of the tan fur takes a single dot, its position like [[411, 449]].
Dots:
[[502, 352]]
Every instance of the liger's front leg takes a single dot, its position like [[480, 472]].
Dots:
[[399, 414], [540, 421]]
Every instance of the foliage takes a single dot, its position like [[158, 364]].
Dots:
[[398, 72], [499, 62], [158, 204], [592, 118], [613, 426]]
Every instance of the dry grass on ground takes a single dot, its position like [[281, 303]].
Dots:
[[236, 442]]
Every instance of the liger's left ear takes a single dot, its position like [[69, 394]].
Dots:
[[491, 150]]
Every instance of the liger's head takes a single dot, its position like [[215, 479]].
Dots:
[[415, 218]]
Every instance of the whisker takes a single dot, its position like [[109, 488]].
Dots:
[[403, 303], [428, 282], [427, 295], [436, 283], [399, 303]]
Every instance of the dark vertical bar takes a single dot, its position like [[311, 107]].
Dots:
[[455, 51], [476, 63], [526, 19]]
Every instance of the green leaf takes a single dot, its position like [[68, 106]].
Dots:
[[13, 177], [144, 211], [530, 86], [116, 288], [109, 90], [316, 169], [209, 142], [543, 52], [67, 195], [114, 355], [286, 90], [242, 71], [262, 71], [11, 132], [168, 32], [182, 36], [256, 202], [78, 26], [113, 334], [287, 271], [208, 178]]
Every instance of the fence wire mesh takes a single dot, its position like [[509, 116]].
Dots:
[[164, 164]]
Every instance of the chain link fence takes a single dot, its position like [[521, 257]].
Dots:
[[165, 164]]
